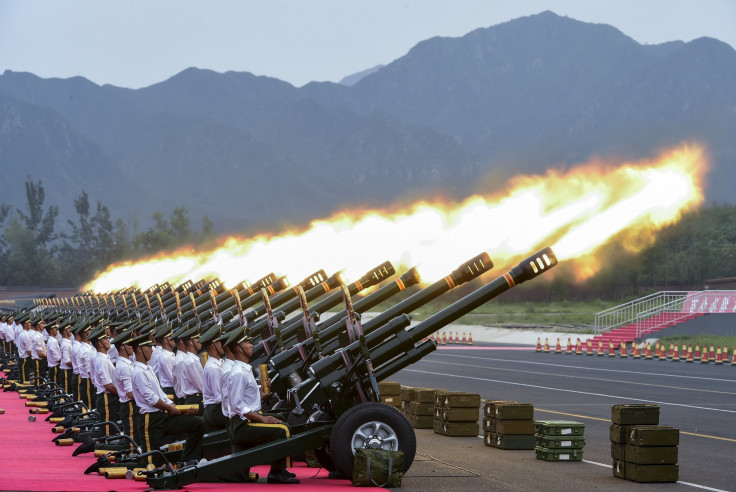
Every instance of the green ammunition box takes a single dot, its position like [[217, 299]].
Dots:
[[652, 473], [389, 388], [457, 429], [509, 441], [489, 424], [559, 428], [619, 468], [407, 393], [560, 442], [419, 408], [437, 426], [489, 407], [421, 421], [651, 455], [514, 427], [643, 414], [439, 398], [394, 401], [653, 435], [618, 452], [425, 395], [514, 411], [459, 414], [454, 399], [619, 433], [558, 454]]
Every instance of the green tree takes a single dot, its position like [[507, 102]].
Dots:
[[41, 225]]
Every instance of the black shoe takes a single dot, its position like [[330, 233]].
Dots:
[[281, 477]]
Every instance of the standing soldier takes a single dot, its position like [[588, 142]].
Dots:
[[191, 369], [214, 419], [165, 358], [53, 353], [86, 356], [129, 411], [38, 348], [103, 377], [65, 365]]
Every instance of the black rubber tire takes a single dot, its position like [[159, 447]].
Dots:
[[348, 424]]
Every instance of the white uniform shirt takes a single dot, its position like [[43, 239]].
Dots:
[[227, 365], [146, 388], [244, 392], [124, 378], [53, 352], [104, 372], [212, 382], [24, 344], [113, 353], [153, 363], [66, 353], [177, 372], [166, 360], [86, 356], [191, 374], [76, 346], [37, 345]]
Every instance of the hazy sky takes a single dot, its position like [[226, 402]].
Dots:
[[135, 43]]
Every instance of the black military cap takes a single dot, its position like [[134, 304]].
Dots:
[[97, 334], [210, 335], [141, 340], [123, 337], [237, 336]]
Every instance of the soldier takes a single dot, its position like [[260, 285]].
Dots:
[[112, 332], [65, 364], [24, 350], [191, 370], [165, 358], [103, 378], [38, 348], [181, 351], [129, 411], [86, 355], [53, 353], [76, 363], [214, 419], [159, 416], [247, 427]]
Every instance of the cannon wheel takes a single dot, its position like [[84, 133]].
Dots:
[[371, 425]]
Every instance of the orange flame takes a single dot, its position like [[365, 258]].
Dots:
[[576, 211]]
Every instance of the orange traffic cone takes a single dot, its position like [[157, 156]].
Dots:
[[656, 350], [444, 338], [719, 356], [470, 338], [725, 353], [600, 348], [546, 345], [635, 350], [662, 352], [611, 349], [704, 357], [539, 344], [711, 353], [558, 347], [684, 351], [689, 353], [649, 351], [578, 347], [697, 351], [676, 354], [589, 346], [465, 340], [569, 346], [670, 353], [457, 337], [622, 350]]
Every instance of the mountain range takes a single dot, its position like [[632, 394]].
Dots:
[[452, 117]]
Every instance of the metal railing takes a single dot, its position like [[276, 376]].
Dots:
[[664, 308]]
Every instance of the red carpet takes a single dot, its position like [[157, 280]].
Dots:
[[30, 461]]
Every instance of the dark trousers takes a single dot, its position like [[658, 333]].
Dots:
[[108, 405], [65, 380], [85, 392], [75, 387], [39, 367], [130, 417], [54, 374], [245, 435], [25, 368], [156, 425], [214, 419]]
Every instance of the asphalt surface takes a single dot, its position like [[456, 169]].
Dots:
[[699, 399]]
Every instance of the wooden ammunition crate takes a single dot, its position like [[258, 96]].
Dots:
[[454, 399], [653, 435], [456, 429], [652, 473], [619, 433], [509, 441], [559, 428], [469, 414], [426, 395], [560, 442], [517, 427], [558, 454], [393, 400], [489, 407], [651, 455], [421, 408], [513, 411], [390, 388], [407, 393], [641, 414], [421, 421]]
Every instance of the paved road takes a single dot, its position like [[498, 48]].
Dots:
[[698, 399]]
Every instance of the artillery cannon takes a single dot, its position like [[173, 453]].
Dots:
[[340, 400]]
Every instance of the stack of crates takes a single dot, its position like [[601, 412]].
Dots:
[[559, 440], [508, 424], [418, 406], [456, 414], [390, 393], [642, 450]]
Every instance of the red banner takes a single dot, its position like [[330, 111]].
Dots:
[[710, 302]]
